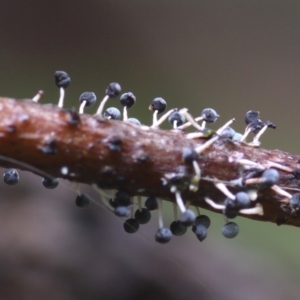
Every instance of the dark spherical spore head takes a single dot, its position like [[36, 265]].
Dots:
[[230, 230], [11, 177], [189, 155], [112, 203], [231, 208], [251, 116], [90, 98], [82, 200], [122, 211], [62, 79], [237, 137], [228, 133], [209, 115], [256, 126], [270, 124], [187, 218], [203, 220], [163, 235], [112, 113], [176, 116], [127, 99], [270, 176], [158, 104], [177, 228], [122, 197], [49, 183], [113, 90], [151, 203], [243, 200], [200, 231], [143, 216], [131, 225], [134, 121], [295, 202]]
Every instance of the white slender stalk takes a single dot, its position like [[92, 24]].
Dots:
[[188, 124], [61, 98], [81, 108], [184, 111], [223, 188], [125, 113], [247, 131], [258, 135], [180, 202], [162, 118], [257, 210], [154, 120], [213, 204], [101, 106], [203, 147], [38, 96], [159, 210], [281, 192], [221, 129]]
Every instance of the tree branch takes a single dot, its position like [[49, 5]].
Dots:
[[145, 161]]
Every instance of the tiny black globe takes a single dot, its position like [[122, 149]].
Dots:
[[62, 79], [113, 90], [131, 225], [11, 177], [82, 200], [49, 183]]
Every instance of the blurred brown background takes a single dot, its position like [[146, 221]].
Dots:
[[229, 55]]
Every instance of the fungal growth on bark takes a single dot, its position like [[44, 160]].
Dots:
[[135, 167]]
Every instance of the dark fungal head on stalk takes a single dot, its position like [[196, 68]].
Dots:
[[177, 228], [270, 124], [127, 99], [209, 115], [158, 104], [163, 235], [189, 155], [200, 231], [62, 79], [256, 125], [270, 177], [151, 203], [90, 98], [134, 121], [113, 90], [230, 230], [11, 176], [187, 218], [82, 200], [131, 225], [50, 183], [112, 113], [176, 117], [143, 215], [251, 116]]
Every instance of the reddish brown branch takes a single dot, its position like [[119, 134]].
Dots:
[[116, 154]]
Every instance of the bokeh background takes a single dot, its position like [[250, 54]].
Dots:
[[230, 55]]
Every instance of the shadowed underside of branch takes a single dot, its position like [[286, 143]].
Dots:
[[115, 154]]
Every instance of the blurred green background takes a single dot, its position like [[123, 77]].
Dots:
[[230, 55]]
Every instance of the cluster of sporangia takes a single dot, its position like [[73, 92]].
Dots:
[[262, 177]]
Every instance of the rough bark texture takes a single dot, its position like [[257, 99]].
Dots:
[[115, 154]]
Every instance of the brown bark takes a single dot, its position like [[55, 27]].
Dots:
[[114, 154]]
